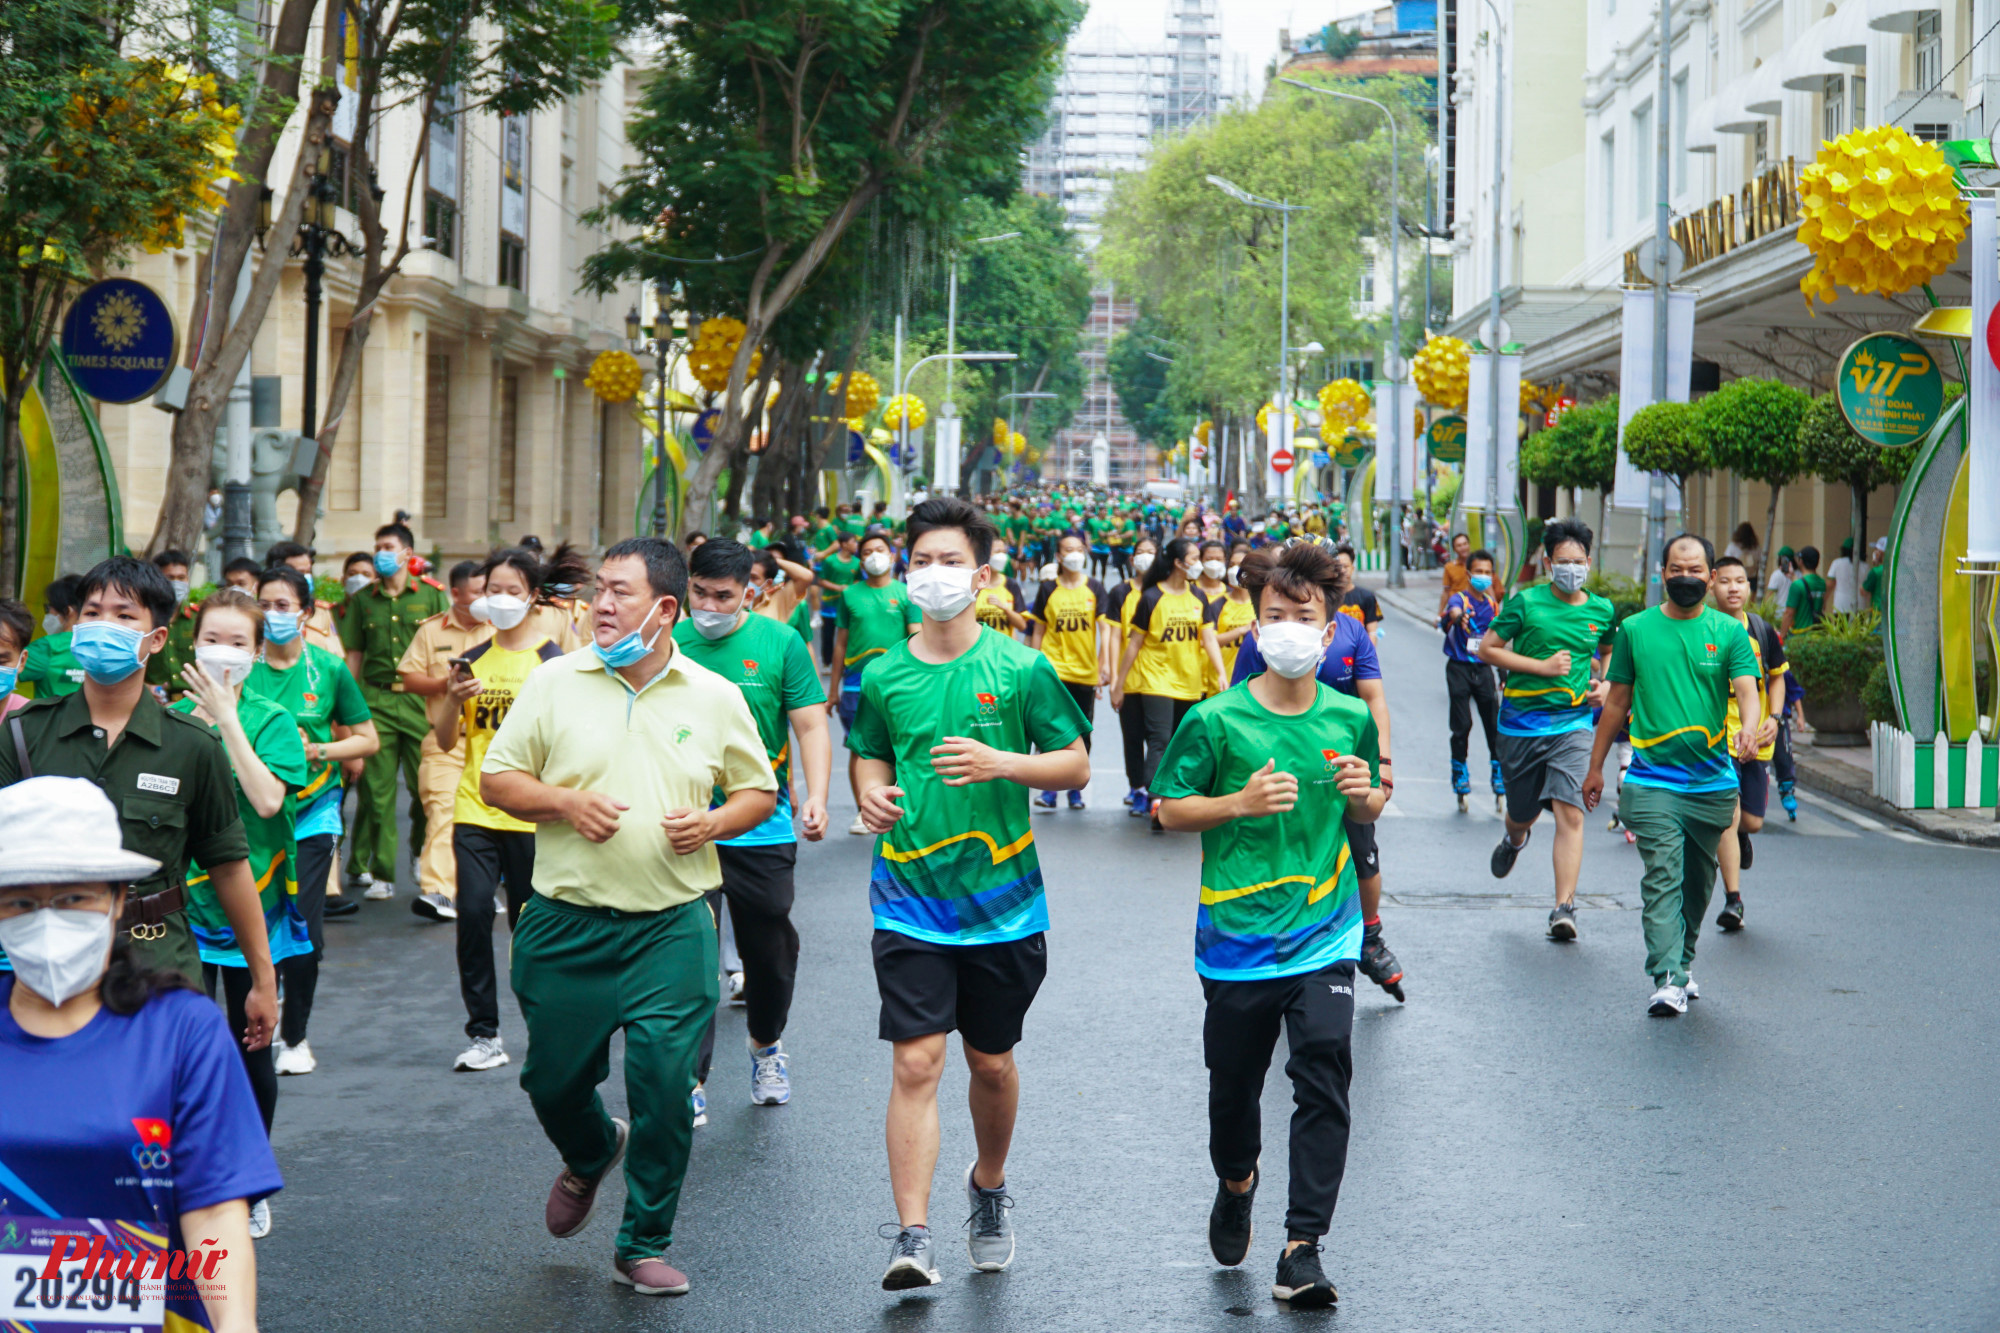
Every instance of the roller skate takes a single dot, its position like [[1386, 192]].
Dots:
[[1499, 787], [1461, 782], [1789, 799], [1378, 964]]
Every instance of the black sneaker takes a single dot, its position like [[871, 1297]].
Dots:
[[1744, 851], [1562, 922], [1731, 915], [1229, 1223], [342, 906], [1504, 854], [1379, 965], [1302, 1281]]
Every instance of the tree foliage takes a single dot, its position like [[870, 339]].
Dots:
[[1139, 378], [1664, 437], [1579, 452], [1752, 428], [1830, 450]]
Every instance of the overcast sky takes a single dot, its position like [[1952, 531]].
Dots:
[[1249, 28]]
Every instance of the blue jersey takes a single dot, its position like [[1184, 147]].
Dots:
[[1461, 634], [1348, 659]]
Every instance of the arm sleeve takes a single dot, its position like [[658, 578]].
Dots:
[[1369, 746], [1053, 719], [1189, 767], [221, 1151], [1211, 611], [1371, 608], [801, 686], [1249, 660], [1797, 595], [912, 613], [840, 618], [745, 765], [350, 626], [1774, 649], [1039, 612], [1367, 662], [35, 663], [1014, 591], [1621, 669], [1140, 615], [1742, 658], [870, 735], [420, 658], [283, 751], [215, 828], [522, 743], [1507, 625], [350, 706]]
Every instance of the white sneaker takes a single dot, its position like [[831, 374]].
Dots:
[[857, 827], [484, 1053], [699, 1099], [1668, 1001], [297, 1059], [736, 988], [260, 1219], [1693, 991], [377, 891], [434, 907]]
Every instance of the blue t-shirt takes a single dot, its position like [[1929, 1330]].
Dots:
[[129, 1122], [1348, 659], [1461, 634]]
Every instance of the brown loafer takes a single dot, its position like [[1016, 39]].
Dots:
[[650, 1277], [572, 1199]]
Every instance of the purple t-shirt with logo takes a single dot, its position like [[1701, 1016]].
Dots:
[[1349, 658]]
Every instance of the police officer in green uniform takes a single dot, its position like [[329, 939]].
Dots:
[[376, 628], [167, 774], [48, 669], [164, 667]]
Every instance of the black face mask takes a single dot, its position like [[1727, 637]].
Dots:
[[1687, 591]]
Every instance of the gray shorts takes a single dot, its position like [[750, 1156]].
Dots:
[[1541, 770]]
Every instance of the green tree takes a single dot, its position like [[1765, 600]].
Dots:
[[765, 134], [1664, 437], [1752, 427], [1578, 453], [1138, 375], [1830, 450], [112, 131]]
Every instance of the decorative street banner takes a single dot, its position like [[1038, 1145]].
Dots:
[[1447, 440], [1982, 538], [1890, 390], [119, 340], [1395, 439], [1478, 450], [1635, 384]]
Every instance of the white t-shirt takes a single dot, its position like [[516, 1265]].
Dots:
[[1846, 588], [1778, 584]]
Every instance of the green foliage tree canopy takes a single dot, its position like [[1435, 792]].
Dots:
[[1752, 428], [1664, 437]]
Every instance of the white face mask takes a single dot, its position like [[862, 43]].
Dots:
[[942, 592], [1235, 573], [51, 623], [1212, 568], [478, 608], [999, 562], [1290, 648], [1074, 561], [877, 563], [57, 954], [229, 665], [1142, 562], [1569, 578], [357, 582], [504, 610], [713, 624]]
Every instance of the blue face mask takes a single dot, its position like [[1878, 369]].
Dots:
[[107, 652], [281, 626], [8, 677], [1481, 582], [388, 563], [629, 649]]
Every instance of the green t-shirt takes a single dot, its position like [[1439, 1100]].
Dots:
[[854, 524], [1806, 599], [774, 671], [824, 537], [801, 620], [1872, 585], [876, 620], [836, 572], [1680, 671], [758, 541], [51, 668], [1538, 623], [274, 853], [960, 866], [1278, 894], [318, 691]]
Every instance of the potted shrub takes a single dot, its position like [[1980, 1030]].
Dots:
[[1833, 661]]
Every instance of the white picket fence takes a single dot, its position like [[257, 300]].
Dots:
[[1934, 774]]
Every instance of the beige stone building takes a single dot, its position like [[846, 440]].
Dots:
[[471, 411]]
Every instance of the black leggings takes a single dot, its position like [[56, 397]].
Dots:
[[300, 972], [1086, 699], [757, 881], [1157, 717], [1469, 683], [261, 1066], [486, 858], [1238, 1034]]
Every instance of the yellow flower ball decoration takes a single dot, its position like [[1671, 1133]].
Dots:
[[1882, 214], [1342, 403], [905, 404], [859, 394], [714, 350], [1020, 443], [1264, 419], [1441, 369], [614, 376], [1202, 431]]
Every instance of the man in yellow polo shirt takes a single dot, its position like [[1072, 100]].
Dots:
[[613, 755]]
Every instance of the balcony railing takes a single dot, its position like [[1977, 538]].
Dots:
[[1768, 203]]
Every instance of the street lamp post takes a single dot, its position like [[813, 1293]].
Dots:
[[938, 482], [661, 340], [1285, 210], [1395, 366], [951, 314], [1030, 397], [1492, 522], [315, 239]]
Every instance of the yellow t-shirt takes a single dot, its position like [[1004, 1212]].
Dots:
[[501, 674], [667, 746], [1171, 660], [1770, 653], [1224, 615], [994, 603], [1069, 619]]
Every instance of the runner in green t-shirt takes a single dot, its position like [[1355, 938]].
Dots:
[[1270, 774], [838, 568], [824, 534], [875, 616], [1673, 668], [943, 733], [1547, 638], [1805, 600], [775, 674]]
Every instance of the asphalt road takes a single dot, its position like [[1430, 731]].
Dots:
[[1809, 1148]]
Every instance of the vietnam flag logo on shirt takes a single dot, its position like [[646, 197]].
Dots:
[[1332, 758], [154, 1133], [988, 705], [749, 666]]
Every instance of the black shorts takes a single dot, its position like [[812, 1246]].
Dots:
[[1361, 842], [982, 990], [759, 877], [1753, 787]]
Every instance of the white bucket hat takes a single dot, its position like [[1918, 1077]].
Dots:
[[64, 831]]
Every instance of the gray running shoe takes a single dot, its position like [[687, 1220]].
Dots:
[[1562, 922], [989, 1238], [910, 1260], [1504, 854]]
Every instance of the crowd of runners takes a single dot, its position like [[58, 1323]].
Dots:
[[627, 752]]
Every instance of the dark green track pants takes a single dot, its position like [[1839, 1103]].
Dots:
[[1676, 833]]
